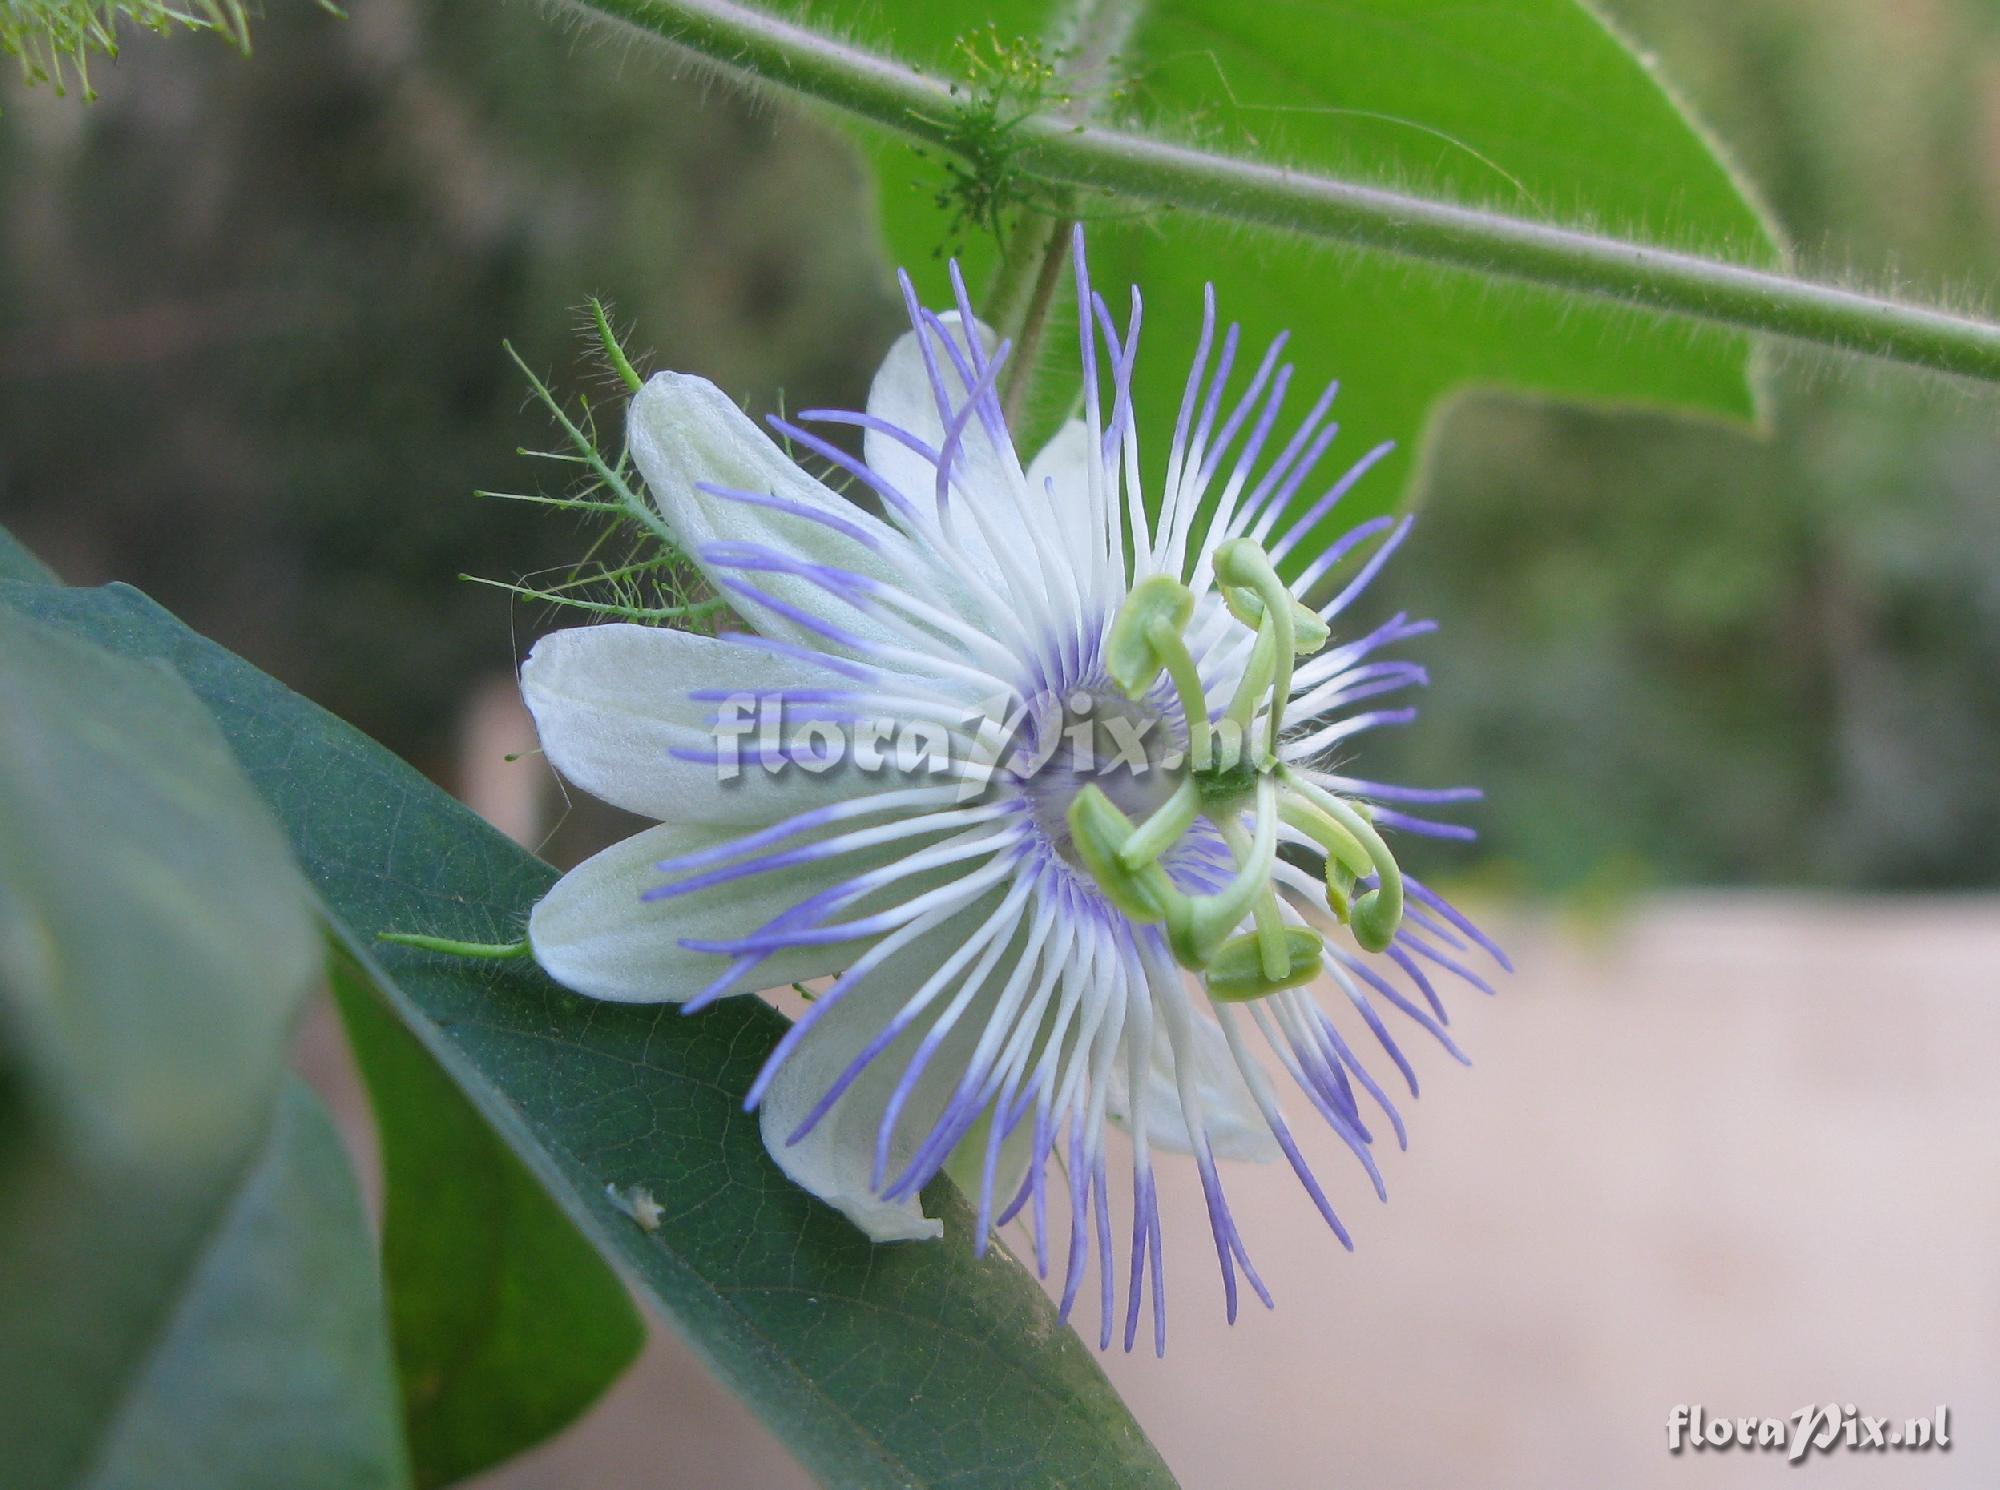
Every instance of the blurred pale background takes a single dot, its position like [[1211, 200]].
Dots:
[[1731, 1136]]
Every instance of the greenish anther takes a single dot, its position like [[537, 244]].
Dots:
[[1239, 973], [1132, 654], [1309, 632]]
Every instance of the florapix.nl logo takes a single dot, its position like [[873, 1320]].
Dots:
[[1089, 735], [1817, 1428]]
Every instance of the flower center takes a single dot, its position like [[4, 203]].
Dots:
[[1232, 766], [1100, 739]]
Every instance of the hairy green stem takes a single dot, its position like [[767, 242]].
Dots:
[[1033, 321], [614, 353], [1088, 34], [1022, 255], [1062, 151]]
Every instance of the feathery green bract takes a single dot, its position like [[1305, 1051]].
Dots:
[[634, 570], [56, 38]]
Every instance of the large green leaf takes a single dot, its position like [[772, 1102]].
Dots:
[[507, 1324], [155, 944], [1535, 107], [880, 1366], [273, 1368]]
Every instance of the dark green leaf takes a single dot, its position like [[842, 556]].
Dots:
[[155, 939], [155, 944], [880, 1366], [506, 1323], [1532, 106], [273, 1368]]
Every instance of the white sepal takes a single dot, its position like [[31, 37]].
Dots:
[[685, 433], [595, 933], [612, 708]]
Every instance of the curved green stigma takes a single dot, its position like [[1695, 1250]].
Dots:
[[1199, 924], [1146, 637], [1376, 915], [1250, 586], [1132, 653], [1226, 776]]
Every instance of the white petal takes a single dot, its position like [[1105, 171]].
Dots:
[[611, 704], [593, 932], [1236, 1128], [967, 1164], [683, 430], [836, 1160], [1062, 468], [1065, 461], [903, 395]]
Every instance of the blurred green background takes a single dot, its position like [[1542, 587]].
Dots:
[[250, 317]]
